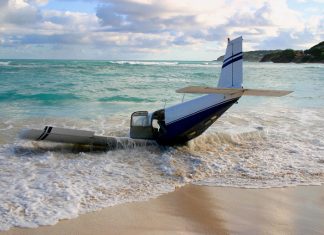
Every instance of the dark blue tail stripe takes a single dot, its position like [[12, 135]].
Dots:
[[232, 61], [232, 56]]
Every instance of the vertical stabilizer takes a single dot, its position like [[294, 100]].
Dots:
[[232, 68]]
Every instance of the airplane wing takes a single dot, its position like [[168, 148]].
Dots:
[[56, 134], [231, 91], [82, 137]]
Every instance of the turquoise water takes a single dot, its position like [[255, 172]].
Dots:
[[86, 89], [259, 143]]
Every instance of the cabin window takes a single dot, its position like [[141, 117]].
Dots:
[[140, 118], [141, 125]]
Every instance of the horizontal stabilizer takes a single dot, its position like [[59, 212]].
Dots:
[[231, 91]]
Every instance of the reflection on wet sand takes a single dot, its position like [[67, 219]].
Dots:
[[205, 210]]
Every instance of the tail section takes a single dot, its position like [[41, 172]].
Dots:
[[232, 69]]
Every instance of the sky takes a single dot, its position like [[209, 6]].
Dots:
[[153, 29]]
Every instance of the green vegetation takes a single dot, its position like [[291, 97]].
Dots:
[[253, 56], [285, 56], [313, 55]]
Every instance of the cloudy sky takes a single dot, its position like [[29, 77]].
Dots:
[[154, 29]]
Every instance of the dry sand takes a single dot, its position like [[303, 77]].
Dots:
[[205, 210]]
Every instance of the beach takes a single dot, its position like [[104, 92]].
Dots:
[[204, 210]]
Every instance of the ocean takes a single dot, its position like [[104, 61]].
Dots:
[[261, 142]]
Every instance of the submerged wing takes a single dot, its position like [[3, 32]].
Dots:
[[82, 137], [251, 92], [56, 134]]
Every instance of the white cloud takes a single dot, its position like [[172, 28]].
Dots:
[[18, 12], [39, 2], [201, 19], [152, 25]]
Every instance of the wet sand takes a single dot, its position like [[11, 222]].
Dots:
[[205, 210]]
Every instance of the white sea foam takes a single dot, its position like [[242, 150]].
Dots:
[[52, 185], [5, 63], [204, 65], [168, 63], [143, 62], [44, 182], [281, 149]]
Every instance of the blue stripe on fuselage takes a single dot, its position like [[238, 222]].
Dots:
[[199, 111]]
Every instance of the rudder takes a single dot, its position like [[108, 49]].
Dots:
[[232, 68]]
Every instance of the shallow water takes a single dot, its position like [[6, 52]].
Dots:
[[261, 142]]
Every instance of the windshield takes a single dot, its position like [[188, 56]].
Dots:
[[140, 118]]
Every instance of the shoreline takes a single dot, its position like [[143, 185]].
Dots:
[[195, 209]]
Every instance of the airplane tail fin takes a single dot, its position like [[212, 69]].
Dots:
[[232, 68], [231, 79]]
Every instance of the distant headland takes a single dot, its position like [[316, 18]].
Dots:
[[313, 55]]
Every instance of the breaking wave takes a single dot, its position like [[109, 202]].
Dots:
[[121, 62], [5, 63], [45, 182]]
